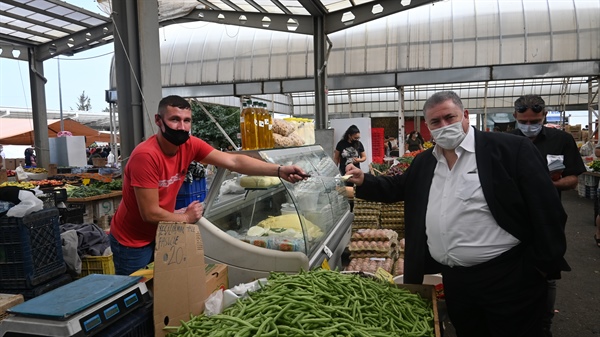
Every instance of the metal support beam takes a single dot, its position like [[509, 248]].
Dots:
[[14, 52], [277, 22], [76, 42], [149, 46], [367, 12], [401, 119], [127, 72], [38, 107], [137, 64], [320, 65]]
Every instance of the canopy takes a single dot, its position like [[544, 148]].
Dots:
[[76, 128]]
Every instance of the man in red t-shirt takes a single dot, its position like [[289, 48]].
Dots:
[[154, 173]]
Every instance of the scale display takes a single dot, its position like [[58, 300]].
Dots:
[[85, 307]]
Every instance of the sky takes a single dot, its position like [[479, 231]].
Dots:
[[87, 71]]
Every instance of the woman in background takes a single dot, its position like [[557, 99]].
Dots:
[[413, 142], [349, 150], [29, 157]]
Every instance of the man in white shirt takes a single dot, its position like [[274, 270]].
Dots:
[[478, 209]]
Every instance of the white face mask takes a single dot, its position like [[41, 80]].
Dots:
[[449, 136], [530, 130]]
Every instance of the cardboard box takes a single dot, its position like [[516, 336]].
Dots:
[[10, 164], [52, 170], [216, 278], [99, 162], [3, 176], [179, 275], [19, 162]]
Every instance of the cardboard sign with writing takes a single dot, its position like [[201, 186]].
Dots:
[[179, 277]]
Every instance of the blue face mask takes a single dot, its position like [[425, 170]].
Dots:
[[530, 130]]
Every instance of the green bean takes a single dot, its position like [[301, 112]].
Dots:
[[319, 303]]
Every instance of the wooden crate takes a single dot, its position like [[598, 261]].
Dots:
[[428, 292], [8, 301]]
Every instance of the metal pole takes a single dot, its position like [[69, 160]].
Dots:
[[485, 95], [401, 137], [62, 124], [113, 134]]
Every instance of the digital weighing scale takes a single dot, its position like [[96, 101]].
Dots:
[[85, 307]]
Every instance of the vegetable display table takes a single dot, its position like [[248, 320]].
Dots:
[[99, 208]]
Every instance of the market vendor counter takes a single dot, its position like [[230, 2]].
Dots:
[[98, 209]]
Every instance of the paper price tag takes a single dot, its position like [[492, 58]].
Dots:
[[85, 181], [325, 265], [384, 275]]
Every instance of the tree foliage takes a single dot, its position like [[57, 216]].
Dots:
[[83, 103], [204, 128]]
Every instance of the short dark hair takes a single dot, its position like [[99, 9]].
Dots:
[[440, 97], [172, 101], [530, 101]]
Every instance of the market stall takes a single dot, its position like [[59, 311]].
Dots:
[[272, 225]]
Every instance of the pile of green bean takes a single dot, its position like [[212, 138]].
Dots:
[[318, 303]]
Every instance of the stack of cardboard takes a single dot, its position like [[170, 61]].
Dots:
[[575, 131]]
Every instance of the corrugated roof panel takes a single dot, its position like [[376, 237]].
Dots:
[[21, 35], [20, 24], [488, 30], [55, 33], [194, 48], [355, 52], [262, 58], [300, 58], [244, 51]]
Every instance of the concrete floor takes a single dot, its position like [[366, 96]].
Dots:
[[578, 292]]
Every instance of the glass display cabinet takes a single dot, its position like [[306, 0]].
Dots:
[[256, 225]]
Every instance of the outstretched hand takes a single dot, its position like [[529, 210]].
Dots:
[[291, 173], [358, 176]]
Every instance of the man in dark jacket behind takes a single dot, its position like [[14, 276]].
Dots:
[[481, 209], [564, 162]]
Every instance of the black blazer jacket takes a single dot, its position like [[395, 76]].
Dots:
[[518, 190]]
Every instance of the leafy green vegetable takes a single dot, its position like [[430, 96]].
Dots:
[[86, 191]]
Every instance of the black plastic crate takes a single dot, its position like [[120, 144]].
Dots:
[[72, 214], [43, 288], [48, 200], [30, 250]]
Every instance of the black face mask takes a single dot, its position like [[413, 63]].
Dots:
[[175, 137]]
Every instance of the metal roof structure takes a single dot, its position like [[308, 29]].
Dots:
[[56, 27], [53, 27], [372, 57], [490, 51]]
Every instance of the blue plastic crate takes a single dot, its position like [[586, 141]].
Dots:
[[183, 200], [196, 186], [30, 250]]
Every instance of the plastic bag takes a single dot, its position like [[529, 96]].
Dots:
[[587, 149], [29, 204], [231, 186], [213, 305], [21, 175]]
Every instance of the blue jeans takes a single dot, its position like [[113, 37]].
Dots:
[[127, 259]]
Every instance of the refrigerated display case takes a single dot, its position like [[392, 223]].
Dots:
[[277, 225]]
